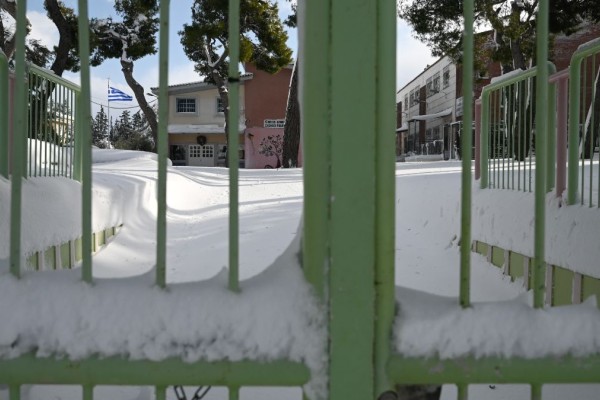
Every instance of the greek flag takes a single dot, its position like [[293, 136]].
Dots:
[[117, 95]]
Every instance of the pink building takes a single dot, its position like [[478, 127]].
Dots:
[[265, 98]]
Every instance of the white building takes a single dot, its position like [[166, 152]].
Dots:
[[428, 108]]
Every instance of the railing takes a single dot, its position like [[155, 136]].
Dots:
[[348, 219], [50, 117], [584, 125], [51, 123], [507, 131]]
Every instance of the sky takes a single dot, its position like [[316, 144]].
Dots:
[[181, 69], [252, 325]]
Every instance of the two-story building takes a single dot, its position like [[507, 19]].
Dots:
[[196, 125], [429, 107], [427, 110]]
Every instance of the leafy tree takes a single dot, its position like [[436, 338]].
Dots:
[[272, 146], [262, 42], [439, 25], [128, 40]]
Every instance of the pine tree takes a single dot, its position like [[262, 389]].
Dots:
[[100, 129]]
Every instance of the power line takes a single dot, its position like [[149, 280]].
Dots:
[[120, 108]]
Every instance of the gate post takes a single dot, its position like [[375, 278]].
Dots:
[[348, 107]]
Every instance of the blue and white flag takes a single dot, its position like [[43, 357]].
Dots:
[[117, 95]]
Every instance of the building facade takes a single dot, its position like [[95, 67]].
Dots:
[[427, 110], [196, 124]]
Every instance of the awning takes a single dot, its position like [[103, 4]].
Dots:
[[429, 117], [403, 128]]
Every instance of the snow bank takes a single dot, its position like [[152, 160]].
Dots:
[[434, 326]]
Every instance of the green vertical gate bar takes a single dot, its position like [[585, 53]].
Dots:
[[4, 89], [385, 193], [78, 143], [466, 143], [160, 392], [536, 391], [574, 118], [541, 133], [233, 135], [352, 221], [87, 392], [316, 142], [14, 392], [85, 135], [551, 139], [163, 139], [19, 139]]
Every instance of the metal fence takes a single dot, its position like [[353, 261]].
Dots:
[[50, 106], [508, 131], [51, 123], [584, 125], [348, 216]]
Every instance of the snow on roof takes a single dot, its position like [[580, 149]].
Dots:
[[403, 128], [429, 117]]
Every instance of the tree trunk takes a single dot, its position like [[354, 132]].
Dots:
[[224, 95], [291, 130], [66, 40], [138, 91]]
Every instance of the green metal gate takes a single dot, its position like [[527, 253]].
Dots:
[[347, 50]]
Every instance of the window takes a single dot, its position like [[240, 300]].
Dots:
[[436, 83], [405, 102], [220, 108], [416, 98], [195, 150], [429, 86], [446, 76], [411, 98], [433, 85], [186, 105], [208, 151]]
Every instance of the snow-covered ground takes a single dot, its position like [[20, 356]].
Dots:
[[427, 254]]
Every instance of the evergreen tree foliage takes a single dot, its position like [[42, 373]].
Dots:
[[100, 130], [131, 132]]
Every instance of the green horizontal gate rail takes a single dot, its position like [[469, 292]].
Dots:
[[584, 128], [349, 223]]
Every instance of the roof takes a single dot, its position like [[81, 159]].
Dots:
[[197, 85]]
